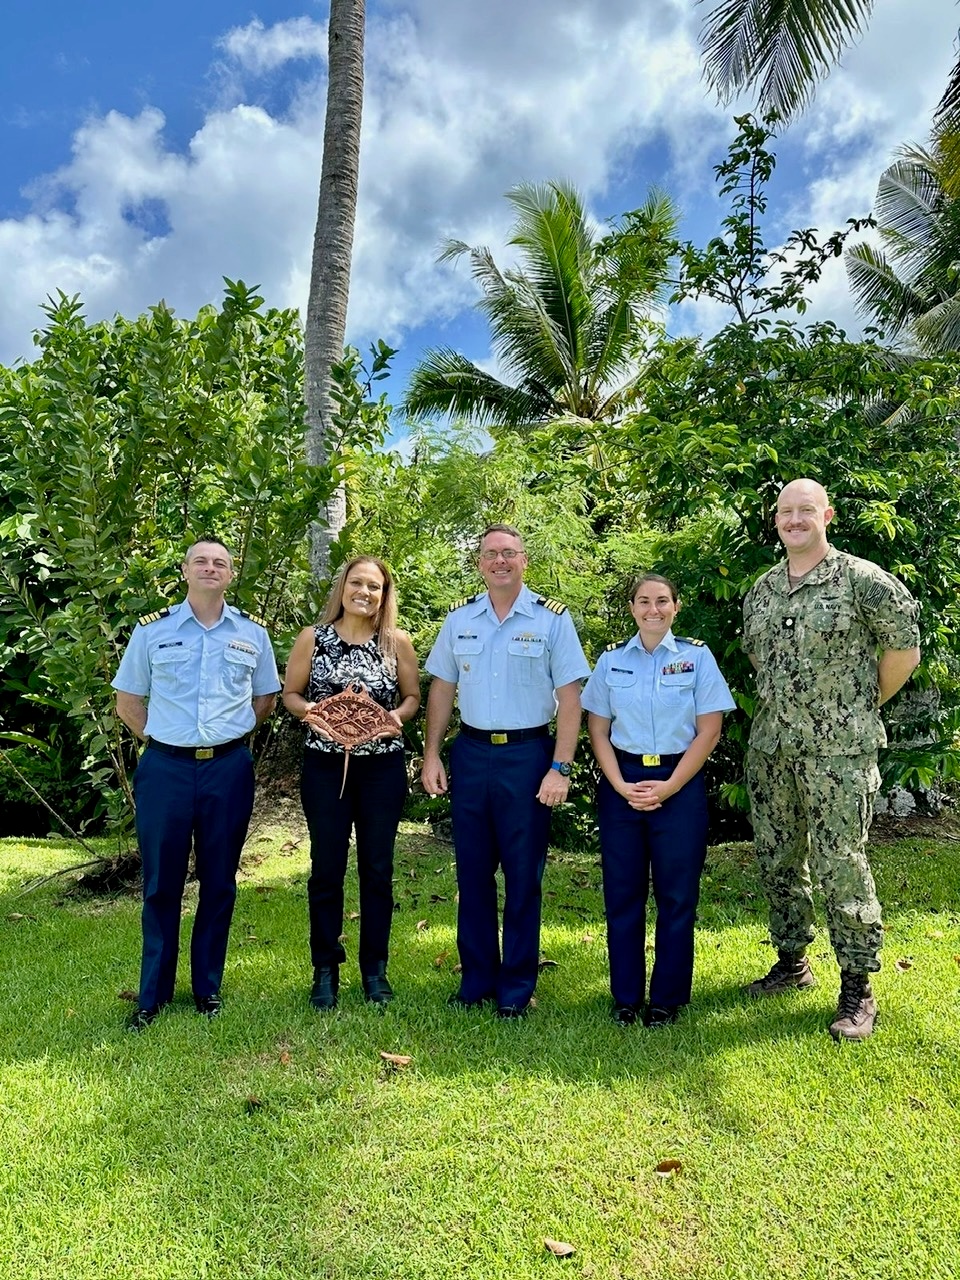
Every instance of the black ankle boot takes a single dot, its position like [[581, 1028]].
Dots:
[[375, 985], [326, 984]]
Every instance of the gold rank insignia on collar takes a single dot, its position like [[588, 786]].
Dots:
[[458, 604], [553, 605], [153, 617], [690, 640]]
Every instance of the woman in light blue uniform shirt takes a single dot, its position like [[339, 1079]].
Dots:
[[655, 704]]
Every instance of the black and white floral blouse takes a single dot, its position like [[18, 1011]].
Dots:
[[336, 664]]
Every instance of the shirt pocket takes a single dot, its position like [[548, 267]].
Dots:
[[674, 688], [467, 654], [621, 689], [829, 620], [525, 661], [236, 671], [169, 671]]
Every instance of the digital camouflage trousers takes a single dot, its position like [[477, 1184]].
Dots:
[[811, 816]]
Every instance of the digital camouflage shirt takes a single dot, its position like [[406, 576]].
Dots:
[[816, 650]]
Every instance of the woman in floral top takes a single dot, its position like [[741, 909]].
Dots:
[[356, 641]]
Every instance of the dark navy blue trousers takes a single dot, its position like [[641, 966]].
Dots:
[[181, 803], [499, 822], [667, 847]]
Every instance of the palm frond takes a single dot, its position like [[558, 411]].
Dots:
[[780, 48], [878, 291], [447, 383]]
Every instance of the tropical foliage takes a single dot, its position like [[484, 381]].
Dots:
[[780, 51], [911, 286], [567, 325], [121, 443]]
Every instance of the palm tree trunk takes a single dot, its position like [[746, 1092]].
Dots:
[[332, 252]]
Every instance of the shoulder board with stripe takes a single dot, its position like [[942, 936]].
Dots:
[[553, 605], [253, 617], [153, 617], [458, 604], [617, 644], [690, 640]]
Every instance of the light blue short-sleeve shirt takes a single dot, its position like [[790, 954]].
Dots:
[[506, 672], [653, 699], [199, 681]]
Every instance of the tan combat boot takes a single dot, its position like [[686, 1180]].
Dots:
[[792, 972], [856, 1009]]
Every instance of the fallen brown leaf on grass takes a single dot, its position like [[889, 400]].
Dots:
[[587, 938], [904, 964], [558, 1247], [422, 924], [441, 959], [127, 994], [396, 1060], [438, 897], [14, 916], [253, 1103], [916, 1104], [544, 963], [284, 1058], [353, 915], [667, 1168], [289, 846]]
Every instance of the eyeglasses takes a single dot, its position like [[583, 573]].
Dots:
[[508, 553]]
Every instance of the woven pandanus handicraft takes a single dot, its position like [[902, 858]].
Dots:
[[352, 718]]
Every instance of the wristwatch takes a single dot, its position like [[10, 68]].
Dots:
[[562, 767]]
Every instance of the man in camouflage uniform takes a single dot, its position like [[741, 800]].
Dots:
[[831, 637]]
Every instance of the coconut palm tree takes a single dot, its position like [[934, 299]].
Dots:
[[567, 324], [911, 285], [326, 325], [781, 48]]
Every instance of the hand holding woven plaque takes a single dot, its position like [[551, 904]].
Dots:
[[352, 718]]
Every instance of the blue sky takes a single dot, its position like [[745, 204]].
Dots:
[[150, 149]]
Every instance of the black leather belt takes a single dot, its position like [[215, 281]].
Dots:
[[497, 737], [651, 761], [197, 753]]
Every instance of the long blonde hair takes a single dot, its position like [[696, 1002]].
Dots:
[[385, 623]]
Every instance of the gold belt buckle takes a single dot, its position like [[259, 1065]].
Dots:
[[650, 760], [204, 753], [498, 739]]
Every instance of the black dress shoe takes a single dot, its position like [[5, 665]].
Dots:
[[376, 987], [140, 1019], [209, 1006], [326, 984], [457, 1001], [513, 1010], [625, 1014], [660, 1015]]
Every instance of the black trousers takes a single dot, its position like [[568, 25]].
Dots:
[[372, 803]]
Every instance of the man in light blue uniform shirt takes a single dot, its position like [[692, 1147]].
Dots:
[[515, 663], [196, 679]]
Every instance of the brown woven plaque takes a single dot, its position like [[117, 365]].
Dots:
[[352, 718]]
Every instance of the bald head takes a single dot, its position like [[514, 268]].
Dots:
[[803, 513], [799, 490]]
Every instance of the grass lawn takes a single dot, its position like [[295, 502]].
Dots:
[[275, 1142]]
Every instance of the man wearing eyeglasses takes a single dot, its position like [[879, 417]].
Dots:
[[514, 662]]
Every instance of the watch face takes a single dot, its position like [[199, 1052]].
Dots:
[[562, 768]]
